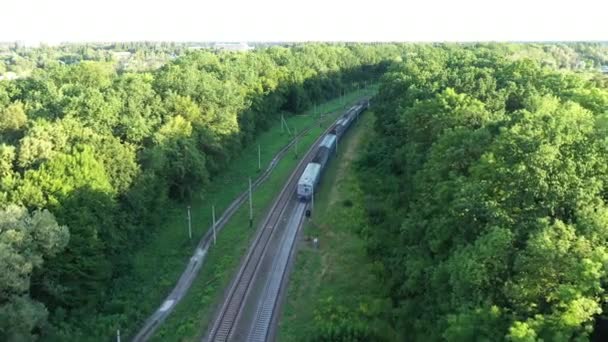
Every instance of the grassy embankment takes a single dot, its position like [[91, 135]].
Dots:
[[338, 278], [158, 265]]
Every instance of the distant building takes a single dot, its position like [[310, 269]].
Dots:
[[233, 46]]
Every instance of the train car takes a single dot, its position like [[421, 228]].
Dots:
[[322, 156], [352, 115], [312, 173], [347, 120], [308, 181], [342, 127], [329, 141], [338, 128], [326, 147]]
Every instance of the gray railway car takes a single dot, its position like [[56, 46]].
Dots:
[[322, 156], [329, 141], [326, 148]]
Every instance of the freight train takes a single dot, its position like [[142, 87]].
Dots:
[[312, 173]]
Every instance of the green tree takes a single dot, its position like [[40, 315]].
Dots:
[[26, 240], [12, 121]]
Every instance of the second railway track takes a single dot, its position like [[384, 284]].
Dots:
[[228, 315]]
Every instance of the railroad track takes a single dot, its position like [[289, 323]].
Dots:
[[196, 261], [228, 315], [261, 327]]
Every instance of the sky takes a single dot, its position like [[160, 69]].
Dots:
[[54, 21]]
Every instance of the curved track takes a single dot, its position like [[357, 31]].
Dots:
[[228, 314], [197, 259]]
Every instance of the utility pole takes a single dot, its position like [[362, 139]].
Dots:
[[259, 158], [282, 120], [286, 126], [117, 335], [296, 134], [213, 216], [250, 205], [189, 224]]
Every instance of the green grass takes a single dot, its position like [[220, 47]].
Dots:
[[339, 273], [158, 264]]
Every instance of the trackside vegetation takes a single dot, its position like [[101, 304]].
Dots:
[[335, 292], [486, 190]]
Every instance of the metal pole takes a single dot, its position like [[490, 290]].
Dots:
[[259, 158], [117, 335], [250, 205], [282, 120], [296, 134], [286, 125], [213, 215], [189, 224]]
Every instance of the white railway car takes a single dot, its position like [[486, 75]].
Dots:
[[308, 181]]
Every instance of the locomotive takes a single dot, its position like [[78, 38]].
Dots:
[[312, 173]]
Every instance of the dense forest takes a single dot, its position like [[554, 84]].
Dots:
[[21, 60], [486, 178], [89, 157], [487, 185]]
